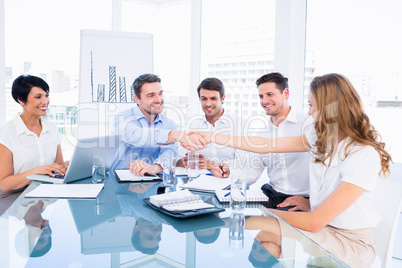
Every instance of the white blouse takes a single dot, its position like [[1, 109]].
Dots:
[[29, 150], [361, 168]]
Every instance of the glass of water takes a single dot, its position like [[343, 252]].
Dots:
[[192, 165], [98, 169], [238, 194], [236, 230], [169, 167]]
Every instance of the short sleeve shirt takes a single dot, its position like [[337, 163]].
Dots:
[[29, 150], [360, 167]]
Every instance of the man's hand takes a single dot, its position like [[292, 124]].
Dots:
[[300, 203], [203, 163], [139, 167], [219, 170], [192, 141]]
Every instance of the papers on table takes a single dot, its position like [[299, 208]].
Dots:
[[205, 183], [66, 191], [255, 195], [124, 175], [182, 172]]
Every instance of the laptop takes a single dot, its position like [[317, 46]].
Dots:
[[81, 162]]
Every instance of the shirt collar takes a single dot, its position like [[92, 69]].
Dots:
[[220, 120], [291, 117], [139, 115], [22, 128]]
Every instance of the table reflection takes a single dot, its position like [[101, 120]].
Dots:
[[119, 228]]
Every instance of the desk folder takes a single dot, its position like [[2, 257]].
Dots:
[[181, 204]]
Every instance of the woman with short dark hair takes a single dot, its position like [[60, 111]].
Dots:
[[28, 144]]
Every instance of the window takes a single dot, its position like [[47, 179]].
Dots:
[[364, 52], [247, 42]]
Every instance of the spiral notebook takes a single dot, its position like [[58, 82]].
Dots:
[[181, 204], [251, 196]]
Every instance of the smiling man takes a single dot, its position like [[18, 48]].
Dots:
[[142, 128], [288, 173], [215, 119]]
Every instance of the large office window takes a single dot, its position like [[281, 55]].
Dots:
[[238, 48], [42, 38], [355, 38], [170, 24]]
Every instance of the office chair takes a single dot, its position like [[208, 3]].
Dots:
[[388, 200]]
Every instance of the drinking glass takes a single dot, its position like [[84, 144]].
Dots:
[[238, 194], [192, 165], [169, 168], [98, 169], [236, 230]]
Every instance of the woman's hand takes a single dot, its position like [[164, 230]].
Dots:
[[66, 164], [50, 169], [300, 203]]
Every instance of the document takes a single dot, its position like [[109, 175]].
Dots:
[[205, 183], [182, 172], [255, 195], [179, 201], [124, 175], [66, 191]]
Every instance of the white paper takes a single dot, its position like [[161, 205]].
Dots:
[[126, 175], [69, 191], [180, 171], [255, 195], [206, 183]]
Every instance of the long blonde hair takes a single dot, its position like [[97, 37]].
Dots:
[[339, 108]]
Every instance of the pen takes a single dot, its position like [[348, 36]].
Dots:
[[222, 168], [228, 193]]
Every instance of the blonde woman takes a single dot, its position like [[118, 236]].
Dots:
[[347, 158]]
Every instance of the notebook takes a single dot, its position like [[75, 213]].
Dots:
[[81, 162], [182, 172], [66, 191], [179, 201], [205, 183], [181, 204], [124, 175], [252, 196]]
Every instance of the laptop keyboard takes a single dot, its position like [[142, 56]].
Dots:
[[58, 176]]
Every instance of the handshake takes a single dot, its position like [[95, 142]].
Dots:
[[192, 141]]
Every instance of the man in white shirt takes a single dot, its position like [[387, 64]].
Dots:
[[288, 188], [212, 95]]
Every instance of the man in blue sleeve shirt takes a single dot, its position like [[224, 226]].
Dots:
[[142, 128]]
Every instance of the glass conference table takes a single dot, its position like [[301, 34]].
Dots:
[[119, 230]]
